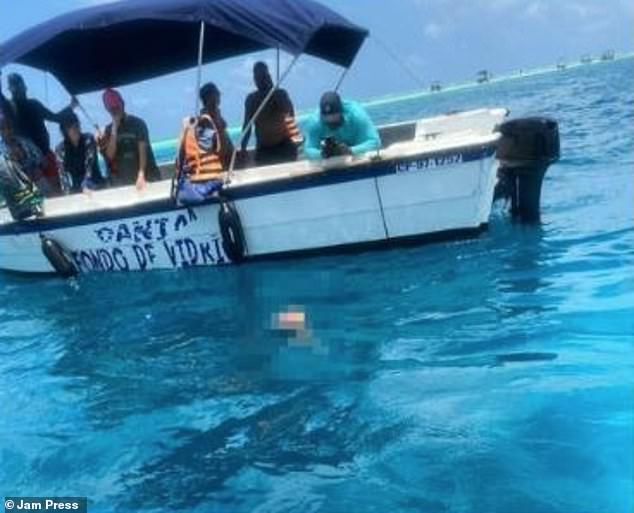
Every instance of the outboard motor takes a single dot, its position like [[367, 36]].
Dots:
[[527, 147]]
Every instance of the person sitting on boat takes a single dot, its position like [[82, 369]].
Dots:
[[77, 154], [22, 196], [126, 145], [27, 116], [199, 167], [24, 154], [276, 133], [210, 98], [340, 128]]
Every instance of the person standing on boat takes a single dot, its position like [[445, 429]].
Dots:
[[21, 195], [25, 154], [340, 128], [126, 145], [27, 116], [77, 154], [210, 98], [276, 133]]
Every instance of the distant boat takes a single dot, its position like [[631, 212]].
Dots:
[[608, 55], [586, 59], [483, 76], [435, 86], [561, 65]]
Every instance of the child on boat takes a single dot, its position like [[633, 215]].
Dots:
[[77, 154]]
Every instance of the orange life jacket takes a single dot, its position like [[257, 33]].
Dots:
[[204, 164], [293, 131]]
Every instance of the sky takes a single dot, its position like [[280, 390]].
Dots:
[[412, 43]]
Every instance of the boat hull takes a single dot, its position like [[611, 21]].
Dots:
[[398, 202], [407, 195]]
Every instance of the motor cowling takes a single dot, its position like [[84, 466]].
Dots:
[[527, 148]]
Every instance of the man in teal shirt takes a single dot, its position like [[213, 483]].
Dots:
[[340, 128]]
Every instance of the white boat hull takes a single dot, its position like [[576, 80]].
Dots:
[[416, 190]]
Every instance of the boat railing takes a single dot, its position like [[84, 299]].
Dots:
[[457, 123]]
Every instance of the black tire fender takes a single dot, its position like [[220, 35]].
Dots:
[[231, 232], [58, 258]]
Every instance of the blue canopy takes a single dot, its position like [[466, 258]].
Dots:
[[128, 41]]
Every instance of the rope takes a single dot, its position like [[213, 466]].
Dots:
[[404, 65], [87, 116], [46, 88]]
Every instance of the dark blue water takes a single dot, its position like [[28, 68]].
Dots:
[[493, 375]]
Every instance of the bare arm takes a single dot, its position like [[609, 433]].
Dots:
[[140, 179], [49, 115], [288, 104], [111, 148], [142, 157]]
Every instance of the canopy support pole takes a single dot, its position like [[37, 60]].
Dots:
[[88, 117], [46, 99], [341, 79], [277, 62], [249, 125], [199, 72]]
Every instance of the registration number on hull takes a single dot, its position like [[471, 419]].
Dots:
[[429, 163]]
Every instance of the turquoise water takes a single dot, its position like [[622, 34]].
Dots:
[[492, 375]]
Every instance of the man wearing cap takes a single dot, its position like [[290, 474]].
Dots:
[[27, 117], [126, 145], [340, 128]]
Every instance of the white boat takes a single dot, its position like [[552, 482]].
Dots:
[[433, 179]]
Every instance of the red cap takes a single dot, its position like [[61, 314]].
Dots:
[[112, 99]]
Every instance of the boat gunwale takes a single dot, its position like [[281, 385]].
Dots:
[[361, 169]]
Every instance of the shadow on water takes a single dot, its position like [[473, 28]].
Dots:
[[297, 434]]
